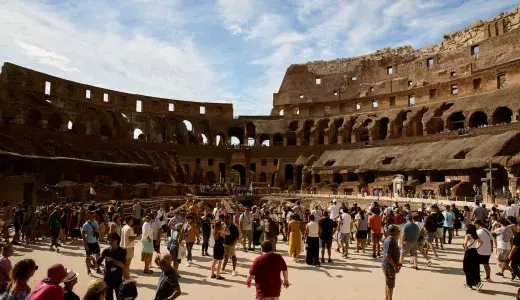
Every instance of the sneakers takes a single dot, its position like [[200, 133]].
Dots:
[[188, 263], [479, 286], [374, 256], [234, 273], [500, 274], [330, 260], [429, 263], [468, 287], [488, 279]]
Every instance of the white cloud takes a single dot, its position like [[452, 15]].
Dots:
[[236, 14], [45, 57]]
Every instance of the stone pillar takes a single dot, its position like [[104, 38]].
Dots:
[[340, 139], [312, 140], [326, 140], [285, 141], [298, 141], [353, 138]]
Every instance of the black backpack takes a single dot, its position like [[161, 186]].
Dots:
[[127, 290]]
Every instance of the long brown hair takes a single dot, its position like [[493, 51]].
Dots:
[[217, 229]]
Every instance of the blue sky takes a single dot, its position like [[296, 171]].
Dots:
[[233, 51]]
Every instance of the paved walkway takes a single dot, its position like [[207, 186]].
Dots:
[[359, 277]]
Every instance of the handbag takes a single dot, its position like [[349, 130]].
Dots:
[[182, 252]]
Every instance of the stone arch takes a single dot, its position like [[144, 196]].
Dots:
[[55, 121], [502, 115], [351, 176], [478, 119], [157, 130], [250, 130], [278, 139], [436, 123], [363, 132], [398, 123], [34, 118], [263, 138], [238, 133], [323, 124], [138, 134], [293, 126], [382, 128], [455, 121], [307, 127], [104, 130], [334, 130], [241, 171], [291, 138], [220, 139], [289, 174]]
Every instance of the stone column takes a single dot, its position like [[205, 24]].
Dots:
[[340, 139], [285, 141], [326, 140], [312, 140]]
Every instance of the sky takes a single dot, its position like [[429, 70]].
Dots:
[[233, 51]]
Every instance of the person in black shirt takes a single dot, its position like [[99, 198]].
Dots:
[[18, 221], [168, 287], [230, 241], [326, 232], [115, 258], [207, 220]]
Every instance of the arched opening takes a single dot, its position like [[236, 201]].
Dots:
[[192, 139], [189, 126], [204, 139], [317, 178], [293, 126], [478, 119], [34, 118], [251, 141], [323, 125], [352, 176], [383, 128], [69, 125], [502, 115], [289, 174], [209, 178], [307, 178], [79, 128], [278, 140], [307, 132], [335, 130], [337, 178], [250, 131], [242, 172], [281, 112], [456, 121], [263, 177], [138, 133], [54, 122], [220, 139], [264, 140], [235, 141], [364, 135], [435, 125], [104, 130], [291, 139], [238, 133]]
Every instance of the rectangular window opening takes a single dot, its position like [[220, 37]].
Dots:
[[501, 81], [202, 110], [411, 100], [47, 88], [87, 94], [476, 83], [171, 107], [301, 96], [392, 101], [389, 71], [475, 50], [433, 93], [358, 106], [453, 73], [375, 104], [342, 107], [410, 83], [105, 97], [454, 89], [318, 81], [138, 106], [430, 62]]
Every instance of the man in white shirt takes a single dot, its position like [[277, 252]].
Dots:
[[334, 209], [245, 225], [127, 242], [510, 210], [344, 233], [316, 212], [485, 251], [147, 244], [297, 209]]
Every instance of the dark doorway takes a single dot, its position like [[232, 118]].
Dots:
[[242, 171]]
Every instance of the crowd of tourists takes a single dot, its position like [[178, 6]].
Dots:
[[387, 233], [225, 189]]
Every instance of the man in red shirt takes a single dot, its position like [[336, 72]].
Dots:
[[266, 270], [375, 223]]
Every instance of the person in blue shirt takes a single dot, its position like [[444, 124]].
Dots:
[[447, 226], [409, 237], [390, 262], [89, 233]]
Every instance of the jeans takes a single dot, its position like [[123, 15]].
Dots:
[[450, 234], [205, 240], [189, 247]]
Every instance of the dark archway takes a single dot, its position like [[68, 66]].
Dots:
[[104, 130], [242, 171], [337, 178], [502, 115], [238, 133], [186, 169], [264, 140], [352, 176], [209, 178], [293, 126], [456, 121], [383, 128], [273, 177], [307, 132], [289, 174], [478, 119], [79, 128], [291, 139], [220, 139], [278, 140], [34, 118], [54, 122], [250, 130], [322, 126], [263, 177]]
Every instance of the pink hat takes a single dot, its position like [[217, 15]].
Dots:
[[55, 274]]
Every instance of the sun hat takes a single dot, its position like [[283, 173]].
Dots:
[[55, 274], [71, 275]]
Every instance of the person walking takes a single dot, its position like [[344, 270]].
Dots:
[[295, 237], [471, 258], [344, 231], [266, 270], [89, 234], [5, 267], [361, 225], [115, 258], [219, 233], [447, 226], [504, 235], [55, 227], [168, 287], [190, 235], [137, 211], [326, 233], [312, 239], [230, 241], [271, 230], [127, 242], [207, 222], [245, 224], [431, 229], [147, 244], [375, 222], [409, 237], [390, 261], [486, 248]]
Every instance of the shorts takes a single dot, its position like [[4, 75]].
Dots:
[[137, 222], [129, 253], [430, 236], [376, 237], [483, 259], [92, 249], [409, 248], [362, 234], [156, 245], [16, 227], [229, 250], [439, 233], [146, 257], [344, 238], [502, 254], [389, 276], [325, 243]]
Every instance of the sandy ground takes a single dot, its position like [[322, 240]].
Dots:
[[358, 277]]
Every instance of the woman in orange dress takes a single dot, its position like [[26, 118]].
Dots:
[[295, 237]]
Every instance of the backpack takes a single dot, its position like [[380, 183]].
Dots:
[[127, 290]]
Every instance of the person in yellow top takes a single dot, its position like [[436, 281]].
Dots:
[[295, 237]]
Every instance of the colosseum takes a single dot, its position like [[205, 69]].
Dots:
[[440, 121]]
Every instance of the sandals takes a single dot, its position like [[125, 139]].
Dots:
[[220, 278]]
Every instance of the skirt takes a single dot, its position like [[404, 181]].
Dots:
[[218, 250], [471, 267], [147, 246]]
